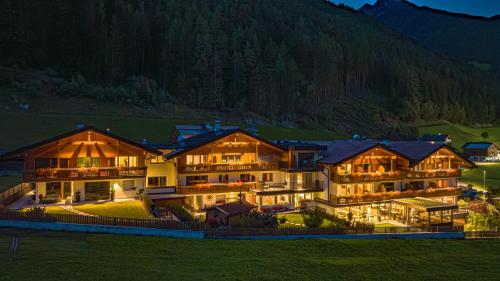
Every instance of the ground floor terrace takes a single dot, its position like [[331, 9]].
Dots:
[[415, 211], [282, 200], [51, 192]]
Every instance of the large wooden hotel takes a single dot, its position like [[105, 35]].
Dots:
[[412, 182]]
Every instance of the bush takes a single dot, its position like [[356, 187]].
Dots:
[[313, 218], [180, 212], [36, 212], [260, 219]]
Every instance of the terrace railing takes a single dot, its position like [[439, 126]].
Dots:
[[384, 196], [83, 173], [367, 177], [203, 188], [209, 168], [433, 174], [95, 220]]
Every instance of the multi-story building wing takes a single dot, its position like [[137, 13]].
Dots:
[[373, 180], [226, 165], [84, 165]]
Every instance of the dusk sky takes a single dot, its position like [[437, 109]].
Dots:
[[473, 7]]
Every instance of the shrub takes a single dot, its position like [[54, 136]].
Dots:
[[35, 212], [180, 212], [313, 218], [255, 218]]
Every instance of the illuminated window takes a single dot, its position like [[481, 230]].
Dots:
[[231, 158], [157, 160], [196, 159], [126, 161], [88, 161]]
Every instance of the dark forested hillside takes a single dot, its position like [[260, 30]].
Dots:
[[470, 37], [301, 60]]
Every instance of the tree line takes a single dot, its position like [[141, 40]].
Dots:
[[286, 60]]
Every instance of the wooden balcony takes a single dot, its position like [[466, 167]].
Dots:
[[433, 174], [55, 174], [216, 188], [385, 196], [214, 168], [367, 177]]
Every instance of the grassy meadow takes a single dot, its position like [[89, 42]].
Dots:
[[460, 134], [475, 176], [46, 255]]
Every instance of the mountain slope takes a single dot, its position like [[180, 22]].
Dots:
[[305, 61], [470, 37]]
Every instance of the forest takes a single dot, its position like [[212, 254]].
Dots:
[[303, 61]]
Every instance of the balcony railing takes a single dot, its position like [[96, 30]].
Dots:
[[216, 188], [368, 177], [433, 174], [44, 174], [375, 197], [209, 168]]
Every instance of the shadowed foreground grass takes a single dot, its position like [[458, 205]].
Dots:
[[78, 256]]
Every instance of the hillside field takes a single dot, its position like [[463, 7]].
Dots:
[[78, 256], [461, 134]]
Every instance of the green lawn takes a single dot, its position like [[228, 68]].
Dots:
[[475, 176], [460, 134], [128, 209], [80, 256], [298, 219], [14, 178]]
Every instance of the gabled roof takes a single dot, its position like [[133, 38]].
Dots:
[[414, 151], [234, 208], [197, 141], [74, 132], [478, 145]]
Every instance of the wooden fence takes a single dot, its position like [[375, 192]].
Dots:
[[211, 233], [94, 220], [14, 193]]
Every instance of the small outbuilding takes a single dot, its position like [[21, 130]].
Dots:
[[228, 214], [481, 151]]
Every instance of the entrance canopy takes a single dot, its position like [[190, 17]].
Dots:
[[425, 204]]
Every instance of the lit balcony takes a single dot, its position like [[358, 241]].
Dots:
[[367, 177], [51, 174], [213, 168], [433, 174]]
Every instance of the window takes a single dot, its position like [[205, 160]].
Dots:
[[97, 190], [231, 158], [157, 181], [157, 160], [192, 180], [223, 178], [126, 161], [246, 177], [88, 162], [45, 163], [267, 177], [305, 160], [220, 199], [196, 159]]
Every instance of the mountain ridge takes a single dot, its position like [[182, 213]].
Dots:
[[472, 38], [407, 4]]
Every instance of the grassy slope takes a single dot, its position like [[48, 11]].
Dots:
[[79, 256], [11, 180], [475, 176], [461, 134], [129, 209]]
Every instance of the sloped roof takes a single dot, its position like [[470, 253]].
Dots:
[[235, 208], [74, 132], [414, 151], [197, 141], [478, 145]]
